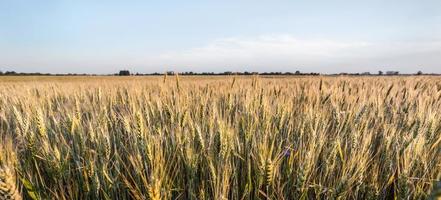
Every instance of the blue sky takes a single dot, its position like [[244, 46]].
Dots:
[[155, 36]]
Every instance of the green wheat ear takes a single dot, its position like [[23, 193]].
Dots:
[[436, 193], [41, 124]]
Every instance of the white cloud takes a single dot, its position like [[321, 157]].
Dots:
[[260, 53], [288, 53]]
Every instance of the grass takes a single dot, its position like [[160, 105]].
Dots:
[[221, 137]]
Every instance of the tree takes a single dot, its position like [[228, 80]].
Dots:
[[10, 73], [124, 73], [380, 73], [419, 73]]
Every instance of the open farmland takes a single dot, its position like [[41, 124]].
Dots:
[[223, 137]]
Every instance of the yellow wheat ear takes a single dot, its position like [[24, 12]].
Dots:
[[8, 185]]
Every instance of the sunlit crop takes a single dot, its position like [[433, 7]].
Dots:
[[229, 137]]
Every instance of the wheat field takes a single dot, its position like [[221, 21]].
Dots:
[[223, 137]]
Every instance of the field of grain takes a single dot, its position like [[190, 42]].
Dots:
[[220, 137]]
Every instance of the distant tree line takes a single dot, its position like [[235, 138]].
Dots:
[[13, 73], [190, 73], [381, 73]]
